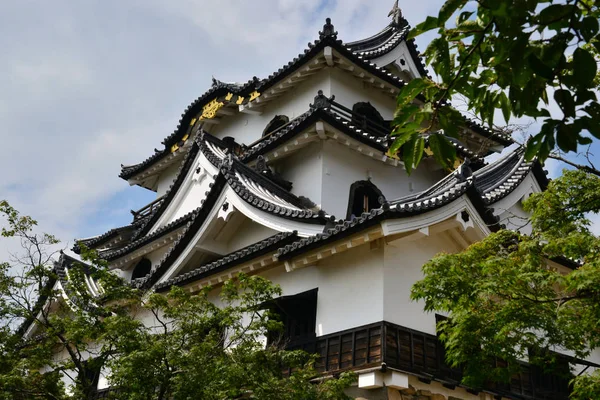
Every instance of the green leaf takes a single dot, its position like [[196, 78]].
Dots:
[[555, 13], [427, 25], [533, 146], [398, 143], [465, 15], [566, 137], [506, 107], [583, 96], [449, 8], [408, 153], [584, 67], [589, 28], [565, 101], [403, 114], [443, 152], [591, 126], [419, 150], [412, 90], [442, 62], [593, 110], [540, 68]]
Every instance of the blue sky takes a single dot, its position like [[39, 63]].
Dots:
[[88, 85]]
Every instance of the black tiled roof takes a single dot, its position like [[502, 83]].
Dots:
[[341, 123], [269, 245], [197, 219], [173, 188], [106, 237], [396, 209], [496, 183], [485, 187], [229, 169], [217, 89], [226, 175], [230, 166], [360, 53], [141, 242]]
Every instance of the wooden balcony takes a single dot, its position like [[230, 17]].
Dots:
[[422, 355], [148, 209]]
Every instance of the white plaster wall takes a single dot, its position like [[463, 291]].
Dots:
[[305, 170], [166, 179], [190, 194], [343, 166], [401, 52], [249, 232], [401, 269], [247, 128], [350, 288], [510, 209], [194, 194], [349, 90], [515, 218]]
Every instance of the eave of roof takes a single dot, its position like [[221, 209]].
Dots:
[[218, 89], [342, 124], [264, 247], [226, 176], [145, 240], [198, 217], [184, 168], [388, 211], [347, 51], [58, 274], [508, 173], [233, 166], [98, 241]]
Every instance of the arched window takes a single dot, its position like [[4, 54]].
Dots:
[[364, 196], [365, 110], [276, 123], [143, 268]]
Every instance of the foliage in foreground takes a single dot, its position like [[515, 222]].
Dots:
[[195, 349], [520, 57], [508, 301], [187, 347]]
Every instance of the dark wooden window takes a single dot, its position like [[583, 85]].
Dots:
[[277, 122], [298, 314], [364, 196], [142, 268], [364, 113]]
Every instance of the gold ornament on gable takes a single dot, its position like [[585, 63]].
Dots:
[[254, 96], [210, 110]]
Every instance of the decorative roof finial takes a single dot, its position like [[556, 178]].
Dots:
[[396, 14], [321, 101], [328, 30]]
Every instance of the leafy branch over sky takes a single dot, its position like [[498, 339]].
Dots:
[[517, 57]]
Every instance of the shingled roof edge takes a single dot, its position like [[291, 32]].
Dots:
[[245, 254], [348, 227], [171, 192], [196, 222], [141, 242]]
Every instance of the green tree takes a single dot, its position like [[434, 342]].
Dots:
[[509, 298], [71, 338], [153, 346], [517, 57], [196, 349]]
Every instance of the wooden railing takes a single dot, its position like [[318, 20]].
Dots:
[[148, 209], [423, 355], [360, 120]]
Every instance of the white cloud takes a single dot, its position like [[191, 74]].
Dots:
[[86, 86]]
